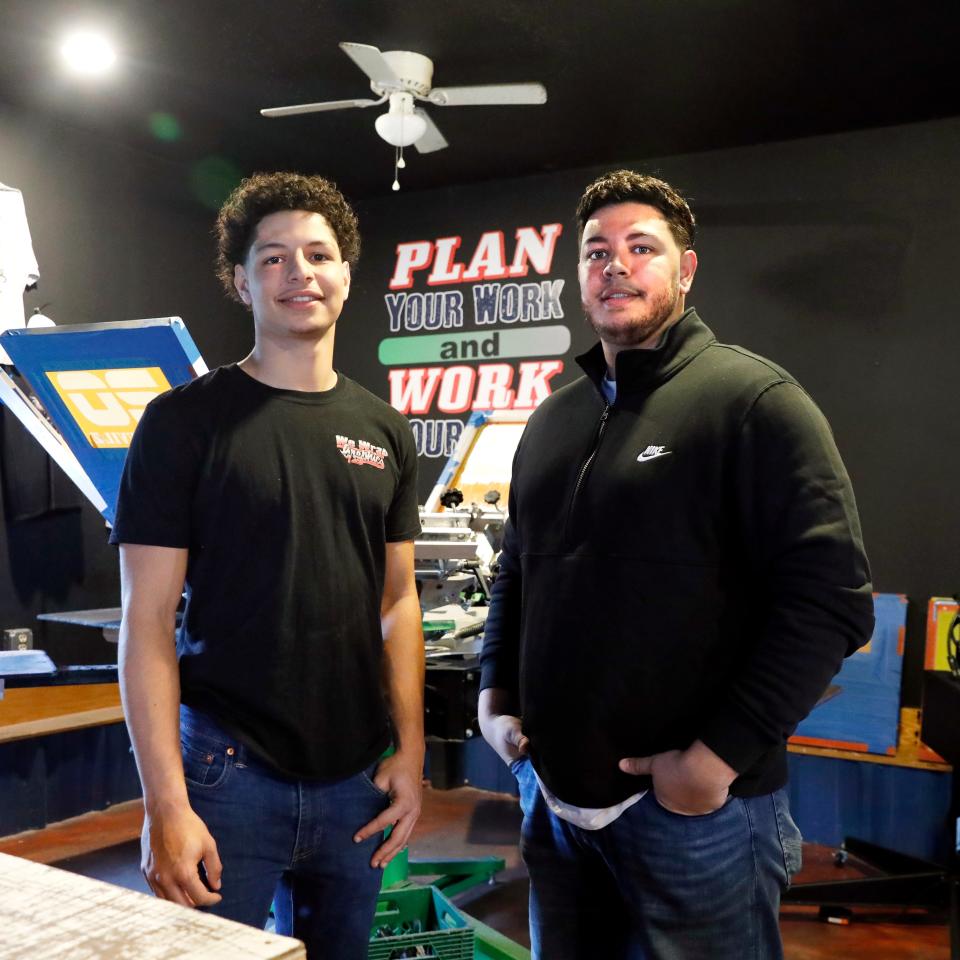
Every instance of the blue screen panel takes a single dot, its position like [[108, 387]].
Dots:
[[94, 381], [866, 713]]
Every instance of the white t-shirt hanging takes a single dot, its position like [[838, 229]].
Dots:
[[18, 265]]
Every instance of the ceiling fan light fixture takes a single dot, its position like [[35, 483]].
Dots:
[[401, 127], [403, 76]]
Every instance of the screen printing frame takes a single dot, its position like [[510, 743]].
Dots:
[[115, 367], [458, 461]]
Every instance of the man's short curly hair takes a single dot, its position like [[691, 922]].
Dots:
[[628, 186], [264, 193]]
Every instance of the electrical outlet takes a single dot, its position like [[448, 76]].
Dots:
[[17, 638]]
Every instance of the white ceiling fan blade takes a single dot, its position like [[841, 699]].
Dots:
[[433, 139], [317, 107], [492, 93], [370, 60]]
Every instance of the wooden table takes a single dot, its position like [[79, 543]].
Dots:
[[38, 711], [46, 912]]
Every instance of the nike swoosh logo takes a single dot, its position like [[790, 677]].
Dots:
[[653, 456]]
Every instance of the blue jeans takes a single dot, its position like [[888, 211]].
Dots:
[[287, 841], [654, 885]]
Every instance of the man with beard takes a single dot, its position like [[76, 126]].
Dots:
[[682, 574]]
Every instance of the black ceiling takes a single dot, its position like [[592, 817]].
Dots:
[[625, 80]]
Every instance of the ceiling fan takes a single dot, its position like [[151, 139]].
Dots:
[[402, 76]]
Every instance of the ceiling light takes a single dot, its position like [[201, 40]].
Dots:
[[88, 52], [401, 126]]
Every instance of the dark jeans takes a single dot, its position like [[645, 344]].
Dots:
[[654, 885], [287, 841]]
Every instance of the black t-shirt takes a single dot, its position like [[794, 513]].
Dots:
[[285, 501]]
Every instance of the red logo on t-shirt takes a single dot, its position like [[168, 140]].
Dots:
[[362, 452]]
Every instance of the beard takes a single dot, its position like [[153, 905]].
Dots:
[[646, 317]]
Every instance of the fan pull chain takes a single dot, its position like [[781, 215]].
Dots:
[[396, 166]]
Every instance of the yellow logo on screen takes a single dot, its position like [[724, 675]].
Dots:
[[108, 404]]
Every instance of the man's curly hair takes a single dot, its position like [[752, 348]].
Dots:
[[628, 186], [264, 193]]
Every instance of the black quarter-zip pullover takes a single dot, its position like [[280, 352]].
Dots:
[[683, 564]]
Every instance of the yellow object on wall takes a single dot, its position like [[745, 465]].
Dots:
[[940, 614]]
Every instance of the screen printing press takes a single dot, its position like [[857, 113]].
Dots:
[[79, 391], [456, 563]]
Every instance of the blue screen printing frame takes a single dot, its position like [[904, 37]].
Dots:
[[162, 342], [866, 715]]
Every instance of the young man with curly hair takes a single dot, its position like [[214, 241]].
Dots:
[[682, 574], [280, 496]]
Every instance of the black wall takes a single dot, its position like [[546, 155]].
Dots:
[[834, 256], [118, 236]]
